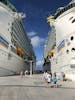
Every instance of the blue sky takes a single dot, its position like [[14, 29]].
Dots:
[[35, 22]]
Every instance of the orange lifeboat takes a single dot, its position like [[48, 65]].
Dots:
[[20, 51], [51, 52]]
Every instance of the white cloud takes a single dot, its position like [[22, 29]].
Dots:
[[37, 41], [38, 63], [32, 33]]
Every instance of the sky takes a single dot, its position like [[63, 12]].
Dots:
[[35, 22]]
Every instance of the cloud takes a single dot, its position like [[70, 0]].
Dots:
[[36, 41], [40, 62], [30, 34]]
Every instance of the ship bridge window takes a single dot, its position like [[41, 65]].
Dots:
[[72, 38], [73, 21], [73, 49]]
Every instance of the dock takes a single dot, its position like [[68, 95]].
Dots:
[[34, 87]]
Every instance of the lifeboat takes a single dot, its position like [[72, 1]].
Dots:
[[51, 53], [20, 51], [49, 19]]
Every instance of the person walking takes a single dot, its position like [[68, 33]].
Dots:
[[21, 73], [55, 80]]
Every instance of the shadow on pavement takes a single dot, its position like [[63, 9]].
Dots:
[[59, 86]]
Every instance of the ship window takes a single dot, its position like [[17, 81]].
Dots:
[[71, 18], [73, 49], [73, 21], [72, 66], [72, 38], [67, 51]]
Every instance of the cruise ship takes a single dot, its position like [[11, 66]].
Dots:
[[60, 45], [16, 50]]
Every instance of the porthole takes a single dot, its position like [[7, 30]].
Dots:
[[73, 21], [72, 38], [67, 51], [73, 49]]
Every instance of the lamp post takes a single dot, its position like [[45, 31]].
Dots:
[[30, 61], [31, 67]]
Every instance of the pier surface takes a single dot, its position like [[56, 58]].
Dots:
[[34, 88]]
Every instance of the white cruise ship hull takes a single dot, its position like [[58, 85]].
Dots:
[[14, 43], [63, 57], [11, 65]]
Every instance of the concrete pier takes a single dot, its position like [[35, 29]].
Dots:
[[34, 88]]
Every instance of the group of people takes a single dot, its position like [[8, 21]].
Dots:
[[50, 78]]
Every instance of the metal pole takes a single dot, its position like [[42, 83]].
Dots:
[[30, 67]]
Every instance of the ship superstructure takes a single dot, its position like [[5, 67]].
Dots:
[[15, 47], [49, 48], [63, 56]]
